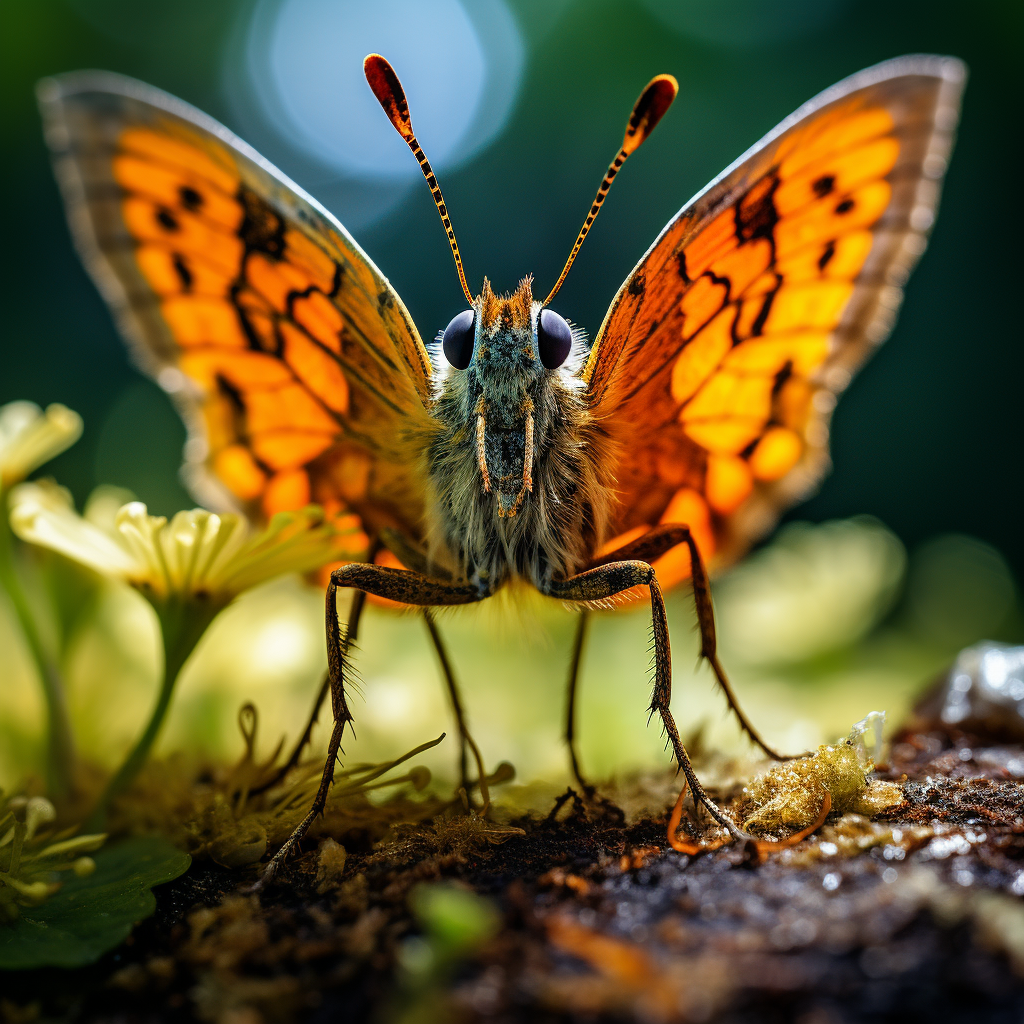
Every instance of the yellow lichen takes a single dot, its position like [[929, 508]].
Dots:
[[878, 796], [789, 795], [853, 834]]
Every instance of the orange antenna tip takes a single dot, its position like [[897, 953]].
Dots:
[[381, 77], [648, 111], [389, 92]]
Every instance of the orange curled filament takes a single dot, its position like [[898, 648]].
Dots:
[[681, 845], [762, 845]]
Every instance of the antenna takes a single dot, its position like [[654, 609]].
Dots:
[[391, 96], [647, 112]]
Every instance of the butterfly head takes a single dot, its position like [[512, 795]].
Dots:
[[518, 319]]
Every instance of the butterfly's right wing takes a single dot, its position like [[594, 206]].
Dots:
[[718, 364], [294, 363]]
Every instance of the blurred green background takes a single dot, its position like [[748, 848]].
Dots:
[[520, 104]]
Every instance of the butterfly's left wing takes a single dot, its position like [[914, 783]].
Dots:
[[294, 363], [719, 362]]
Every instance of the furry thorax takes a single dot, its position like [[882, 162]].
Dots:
[[519, 471]]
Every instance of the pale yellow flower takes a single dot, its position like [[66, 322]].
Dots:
[[188, 569], [196, 553], [29, 437]]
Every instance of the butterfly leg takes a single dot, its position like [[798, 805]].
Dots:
[[396, 585], [579, 642], [466, 741], [412, 557], [351, 632], [650, 546], [589, 789], [653, 545], [608, 580]]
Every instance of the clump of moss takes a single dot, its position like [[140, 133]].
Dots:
[[452, 834], [330, 865], [790, 795], [232, 815]]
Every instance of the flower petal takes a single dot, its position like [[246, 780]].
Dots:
[[29, 437], [139, 531], [42, 513], [297, 541]]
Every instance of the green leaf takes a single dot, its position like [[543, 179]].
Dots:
[[87, 916]]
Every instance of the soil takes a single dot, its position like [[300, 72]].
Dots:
[[917, 915]]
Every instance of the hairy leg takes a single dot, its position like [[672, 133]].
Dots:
[[351, 632], [608, 580], [412, 558], [465, 739], [570, 704], [653, 545], [397, 585]]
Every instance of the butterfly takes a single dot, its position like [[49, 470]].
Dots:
[[511, 448]]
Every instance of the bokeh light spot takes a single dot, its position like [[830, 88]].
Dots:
[[460, 69], [816, 589]]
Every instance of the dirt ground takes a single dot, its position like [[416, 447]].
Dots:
[[917, 915]]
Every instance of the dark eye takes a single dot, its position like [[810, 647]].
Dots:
[[457, 340], [554, 339]]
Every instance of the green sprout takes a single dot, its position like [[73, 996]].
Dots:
[[455, 924], [31, 856]]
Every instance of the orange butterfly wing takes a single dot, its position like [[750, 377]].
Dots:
[[297, 368], [718, 364]]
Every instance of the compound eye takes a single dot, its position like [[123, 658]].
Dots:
[[554, 339], [457, 341]]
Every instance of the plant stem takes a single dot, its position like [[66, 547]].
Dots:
[[60, 755], [182, 622]]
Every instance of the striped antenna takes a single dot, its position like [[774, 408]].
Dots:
[[391, 96], [647, 112]]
